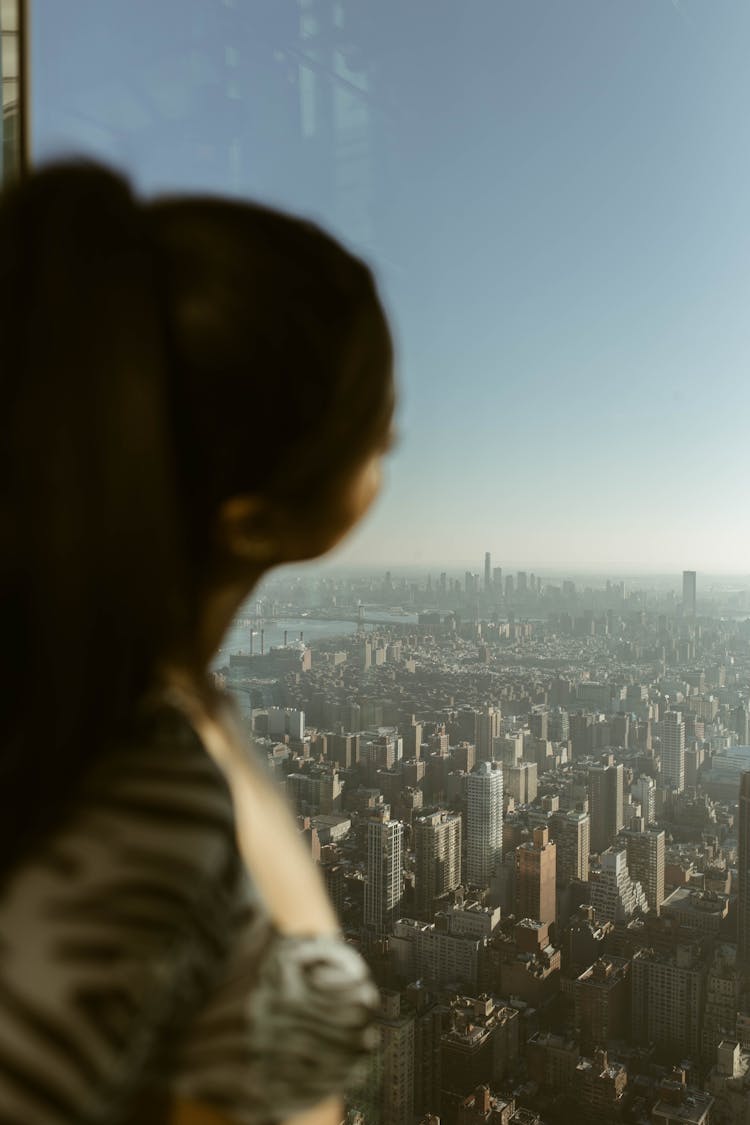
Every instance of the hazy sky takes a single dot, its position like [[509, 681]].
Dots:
[[556, 196]]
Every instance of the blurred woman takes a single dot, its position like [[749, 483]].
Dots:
[[195, 390]]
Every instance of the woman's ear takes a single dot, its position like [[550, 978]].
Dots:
[[244, 529]]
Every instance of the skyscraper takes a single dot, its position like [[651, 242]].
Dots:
[[645, 855], [667, 997], [743, 872], [571, 832], [643, 790], [673, 751], [489, 723], [605, 804], [437, 858], [484, 823], [384, 884], [393, 1069], [688, 593], [487, 571], [536, 867]]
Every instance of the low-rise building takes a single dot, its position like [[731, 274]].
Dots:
[[599, 1085], [703, 912]]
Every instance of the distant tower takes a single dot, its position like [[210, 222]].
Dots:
[[673, 751], [384, 886], [484, 823], [743, 871], [487, 571], [688, 593], [437, 858], [536, 872]]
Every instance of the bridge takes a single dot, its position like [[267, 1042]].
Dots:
[[258, 621]]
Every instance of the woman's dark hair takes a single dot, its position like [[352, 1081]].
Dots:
[[158, 357]]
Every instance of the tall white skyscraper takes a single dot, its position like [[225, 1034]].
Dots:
[[484, 823], [384, 888], [643, 790], [673, 751]]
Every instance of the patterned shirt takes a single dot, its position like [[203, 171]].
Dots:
[[136, 954]]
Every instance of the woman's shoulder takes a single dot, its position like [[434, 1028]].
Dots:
[[291, 1022], [116, 927]]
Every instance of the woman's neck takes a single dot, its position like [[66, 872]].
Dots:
[[188, 671]]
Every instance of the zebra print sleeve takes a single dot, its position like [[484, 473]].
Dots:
[[290, 1023], [113, 934]]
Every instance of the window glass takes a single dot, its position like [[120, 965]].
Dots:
[[10, 55], [555, 198]]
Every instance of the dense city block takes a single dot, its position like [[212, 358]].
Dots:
[[530, 801]]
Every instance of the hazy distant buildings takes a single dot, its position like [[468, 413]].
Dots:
[[688, 593], [484, 823], [673, 751], [743, 872], [437, 847], [487, 572]]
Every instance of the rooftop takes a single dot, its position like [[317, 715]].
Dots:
[[692, 1108]]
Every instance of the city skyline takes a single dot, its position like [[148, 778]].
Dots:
[[335, 565]]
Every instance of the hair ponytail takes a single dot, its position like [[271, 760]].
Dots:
[[140, 342], [90, 579]]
